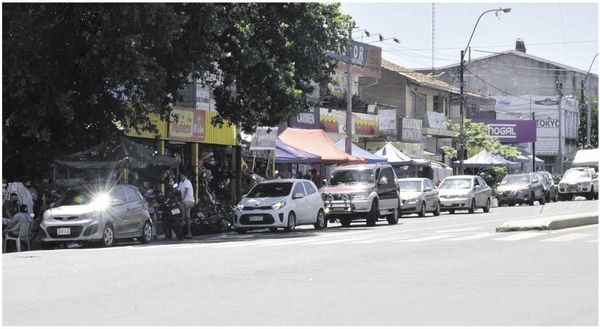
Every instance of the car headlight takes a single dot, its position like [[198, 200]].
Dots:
[[101, 201], [46, 215], [240, 207], [278, 205], [360, 196]]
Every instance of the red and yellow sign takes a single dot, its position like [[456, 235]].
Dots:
[[187, 125]]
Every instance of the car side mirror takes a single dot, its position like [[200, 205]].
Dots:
[[244, 195], [595, 176], [324, 182], [383, 181], [298, 196]]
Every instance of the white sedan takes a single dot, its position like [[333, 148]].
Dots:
[[281, 203]]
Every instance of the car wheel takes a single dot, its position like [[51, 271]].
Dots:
[[451, 211], [146, 232], [392, 218], [108, 236], [436, 212], [373, 214], [321, 222], [423, 209], [472, 208], [345, 222], [291, 223], [542, 200], [488, 203]]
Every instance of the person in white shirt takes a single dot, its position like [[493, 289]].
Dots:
[[187, 194]]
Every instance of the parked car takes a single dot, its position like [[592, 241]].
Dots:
[[464, 192], [520, 189], [579, 181], [362, 191], [281, 203], [550, 189], [91, 214], [418, 196]]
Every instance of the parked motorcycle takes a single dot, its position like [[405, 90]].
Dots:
[[210, 215], [172, 216]]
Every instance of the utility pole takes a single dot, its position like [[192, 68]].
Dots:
[[533, 144], [348, 145], [581, 107], [462, 115], [560, 128]]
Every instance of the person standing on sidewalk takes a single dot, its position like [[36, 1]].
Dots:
[[187, 195]]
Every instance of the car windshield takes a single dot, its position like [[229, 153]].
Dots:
[[352, 177], [456, 183], [270, 190], [574, 174], [75, 198], [515, 179], [410, 185]]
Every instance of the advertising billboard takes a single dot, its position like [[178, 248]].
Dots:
[[511, 131]]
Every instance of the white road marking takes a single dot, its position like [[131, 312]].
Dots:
[[568, 237], [593, 241], [460, 230], [473, 237], [428, 238], [520, 236], [391, 238], [334, 241]]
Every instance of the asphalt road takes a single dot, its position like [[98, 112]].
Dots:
[[447, 270]]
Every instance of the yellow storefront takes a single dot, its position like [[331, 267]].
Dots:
[[191, 129]]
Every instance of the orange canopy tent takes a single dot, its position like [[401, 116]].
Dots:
[[317, 142]]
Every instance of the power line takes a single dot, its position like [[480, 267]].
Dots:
[[491, 85], [511, 45]]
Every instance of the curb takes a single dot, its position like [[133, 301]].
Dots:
[[550, 223]]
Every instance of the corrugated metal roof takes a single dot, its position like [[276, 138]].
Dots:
[[426, 80]]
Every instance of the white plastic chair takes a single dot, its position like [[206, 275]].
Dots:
[[23, 236]]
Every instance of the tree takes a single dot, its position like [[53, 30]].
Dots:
[[73, 72], [582, 132]]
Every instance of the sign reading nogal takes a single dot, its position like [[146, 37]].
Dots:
[[511, 131]]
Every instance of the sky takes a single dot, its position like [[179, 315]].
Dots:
[[566, 33]]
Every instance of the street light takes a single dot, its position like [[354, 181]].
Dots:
[[462, 67]]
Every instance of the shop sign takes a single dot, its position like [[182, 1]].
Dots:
[[187, 125], [411, 130], [264, 139], [511, 131], [372, 62], [161, 129], [358, 53], [306, 120], [363, 125]]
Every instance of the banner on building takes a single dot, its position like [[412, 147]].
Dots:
[[363, 125], [436, 120], [411, 130], [511, 131], [387, 122], [187, 125], [264, 139]]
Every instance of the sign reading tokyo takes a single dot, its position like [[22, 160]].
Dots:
[[512, 131]]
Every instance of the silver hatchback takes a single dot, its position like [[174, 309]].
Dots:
[[90, 214]]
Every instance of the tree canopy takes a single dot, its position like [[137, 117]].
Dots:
[[72, 71]]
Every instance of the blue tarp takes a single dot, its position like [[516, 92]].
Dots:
[[358, 152], [285, 153]]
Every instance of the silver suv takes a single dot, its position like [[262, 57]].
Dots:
[[90, 214], [362, 191]]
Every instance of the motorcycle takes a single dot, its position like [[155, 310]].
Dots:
[[210, 215], [172, 215]]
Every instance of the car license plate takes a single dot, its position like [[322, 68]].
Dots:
[[255, 218], [175, 211], [63, 231]]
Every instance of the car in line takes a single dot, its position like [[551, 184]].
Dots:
[[280, 203], [418, 196], [95, 214], [578, 181], [362, 191], [520, 189], [464, 192], [550, 188]]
